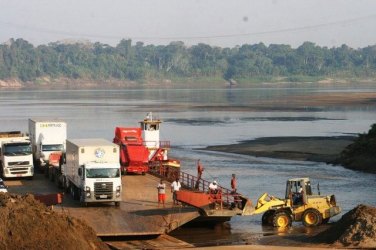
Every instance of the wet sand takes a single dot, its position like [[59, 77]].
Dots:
[[319, 149]]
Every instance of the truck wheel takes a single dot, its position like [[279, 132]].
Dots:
[[58, 181], [267, 218], [74, 192], [311, 218], [282, 219], [46, 171], [117, 203], [50, 175]]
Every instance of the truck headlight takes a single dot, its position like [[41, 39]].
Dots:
[[87, 191], [118, 188]]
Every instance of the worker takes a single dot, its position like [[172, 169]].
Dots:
[[233, 184], [298, 197], [200, 169], [213, 187], [175, 186], [161, 193]]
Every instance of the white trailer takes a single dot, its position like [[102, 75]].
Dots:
[[92, 171], [16, 155], [47, 136]]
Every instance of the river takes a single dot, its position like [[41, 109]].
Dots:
[[193, 119]]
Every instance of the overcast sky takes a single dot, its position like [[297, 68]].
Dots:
[[224, 23]]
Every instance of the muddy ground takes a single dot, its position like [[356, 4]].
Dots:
[[28, 224]]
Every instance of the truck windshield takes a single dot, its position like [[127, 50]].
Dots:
[[102, 173], [17, 149], [52, 147]]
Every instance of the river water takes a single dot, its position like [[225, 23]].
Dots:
[[193, 119]]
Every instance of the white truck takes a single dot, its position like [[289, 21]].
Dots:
[[91, 172], [16, 155], [47, 136]]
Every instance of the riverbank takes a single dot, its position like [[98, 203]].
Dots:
[[47, 82], [319, 149]]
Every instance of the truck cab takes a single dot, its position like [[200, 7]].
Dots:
[[17, 159], [16, 155], [46, 136], [100, 182]]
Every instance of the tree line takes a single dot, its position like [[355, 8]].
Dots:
[[126, 61]]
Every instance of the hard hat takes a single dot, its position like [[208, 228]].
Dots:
[[214, 182]]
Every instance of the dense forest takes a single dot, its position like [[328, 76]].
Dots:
[[126, 61]]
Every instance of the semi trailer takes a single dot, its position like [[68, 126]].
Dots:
[[47, 136]]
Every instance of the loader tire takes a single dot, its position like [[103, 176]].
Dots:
[[282, 219], [267, 218], [311, 218]]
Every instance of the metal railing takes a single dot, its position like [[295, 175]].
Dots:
[[224, 196]]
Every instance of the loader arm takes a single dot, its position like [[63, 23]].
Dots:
[[266, 202]]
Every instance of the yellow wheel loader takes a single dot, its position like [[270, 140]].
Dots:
[[300, 204]]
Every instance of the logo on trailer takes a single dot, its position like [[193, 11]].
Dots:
[[99, 152]]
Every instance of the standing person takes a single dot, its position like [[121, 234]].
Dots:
[[200, 169], [175, 186], [233, 184], [161, 193]]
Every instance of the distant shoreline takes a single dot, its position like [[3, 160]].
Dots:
[[318, 149], [189, 82]]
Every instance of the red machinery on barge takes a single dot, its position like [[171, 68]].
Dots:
[[142, 149]]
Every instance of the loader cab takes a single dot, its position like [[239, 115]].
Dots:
[[297, 191]]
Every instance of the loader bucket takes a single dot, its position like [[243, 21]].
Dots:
[[248, 209]]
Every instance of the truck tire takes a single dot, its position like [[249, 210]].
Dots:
[[58, 180], [267, 218], [282, 219], [311, 218], [75, 192], [51, 174], [117, 203]]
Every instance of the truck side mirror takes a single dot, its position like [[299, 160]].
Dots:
[[80, 172]]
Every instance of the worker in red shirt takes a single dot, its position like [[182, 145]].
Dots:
[[200, 170], [233, 183]]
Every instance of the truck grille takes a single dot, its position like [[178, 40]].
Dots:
[[103, 190], [18, 170], [18, 163]]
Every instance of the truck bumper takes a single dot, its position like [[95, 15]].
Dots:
[[102, 198], [21, 171]]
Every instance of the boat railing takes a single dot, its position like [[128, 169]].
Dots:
[[223, 196]]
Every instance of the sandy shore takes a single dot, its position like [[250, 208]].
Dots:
[[320, 149]]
